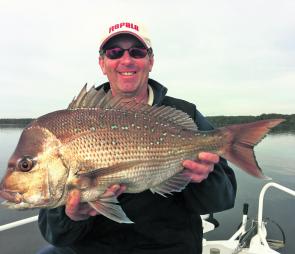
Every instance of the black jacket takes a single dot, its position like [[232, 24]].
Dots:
[[162, 225]]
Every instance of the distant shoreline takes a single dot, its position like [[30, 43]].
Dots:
[[15, 122], [217, 121], [287, 126]]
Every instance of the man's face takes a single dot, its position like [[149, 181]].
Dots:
[[128, 76]]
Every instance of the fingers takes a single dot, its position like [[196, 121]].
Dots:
[[73, 201], [200, 169], [73, 209], [208, 157], [111, 191], [114, 190], [197, 171], [197, 178], [121, 190], [77, 211]]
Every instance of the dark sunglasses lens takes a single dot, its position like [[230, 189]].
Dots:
[[137, 52], [114, 53]]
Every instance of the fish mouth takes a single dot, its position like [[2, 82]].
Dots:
[[13, 200], [16, 200], [11, 196], [18, 206]]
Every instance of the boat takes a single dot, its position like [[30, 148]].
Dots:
[[250, 238]]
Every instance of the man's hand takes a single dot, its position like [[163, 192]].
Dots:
[[81, 211], [199, 169]]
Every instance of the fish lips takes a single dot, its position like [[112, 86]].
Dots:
[[16, 200], [11, 196]]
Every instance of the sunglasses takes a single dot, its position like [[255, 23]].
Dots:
[[134, 52]]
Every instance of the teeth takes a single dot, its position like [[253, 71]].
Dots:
[[127, 73]]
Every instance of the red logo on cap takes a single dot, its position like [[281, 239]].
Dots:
[[123, 24]]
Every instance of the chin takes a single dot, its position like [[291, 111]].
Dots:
[[128, 89]]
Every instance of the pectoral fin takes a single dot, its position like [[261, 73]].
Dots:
[[110, 208], [174, 184]]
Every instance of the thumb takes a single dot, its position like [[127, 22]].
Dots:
[[73, 201]]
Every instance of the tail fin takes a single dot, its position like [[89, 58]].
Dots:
[[242, 138]]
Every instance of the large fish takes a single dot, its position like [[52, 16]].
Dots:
[[99, 141]]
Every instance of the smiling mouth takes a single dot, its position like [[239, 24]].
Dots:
[[127, 73]]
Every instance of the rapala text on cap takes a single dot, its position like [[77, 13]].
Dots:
[[123, 24]]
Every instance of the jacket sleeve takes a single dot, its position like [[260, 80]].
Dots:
[[59, 230], [218, 191]]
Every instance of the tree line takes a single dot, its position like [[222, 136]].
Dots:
[[287, 126], [15, 122], [217, 121]]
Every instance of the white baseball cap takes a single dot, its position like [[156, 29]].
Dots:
[[136, 29]]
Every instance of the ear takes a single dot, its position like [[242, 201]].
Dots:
[[101, 61], [151, 62]]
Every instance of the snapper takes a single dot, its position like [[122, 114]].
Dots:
[[100, 140]]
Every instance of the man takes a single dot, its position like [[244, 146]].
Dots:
[[162, 225]]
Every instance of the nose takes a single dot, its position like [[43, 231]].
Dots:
[[126, 58]]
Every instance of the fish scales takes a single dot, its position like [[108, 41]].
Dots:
[[124, 145], [136, 145]]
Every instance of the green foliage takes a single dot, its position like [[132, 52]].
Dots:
[[286, 126]]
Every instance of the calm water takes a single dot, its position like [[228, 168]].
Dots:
[[275, 155]]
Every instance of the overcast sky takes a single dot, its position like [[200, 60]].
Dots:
[[228, 57]]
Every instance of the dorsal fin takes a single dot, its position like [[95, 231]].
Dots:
[[103, 100], [76, 100], [88, 99]]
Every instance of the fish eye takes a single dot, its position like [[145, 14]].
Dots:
[[26, 164]]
